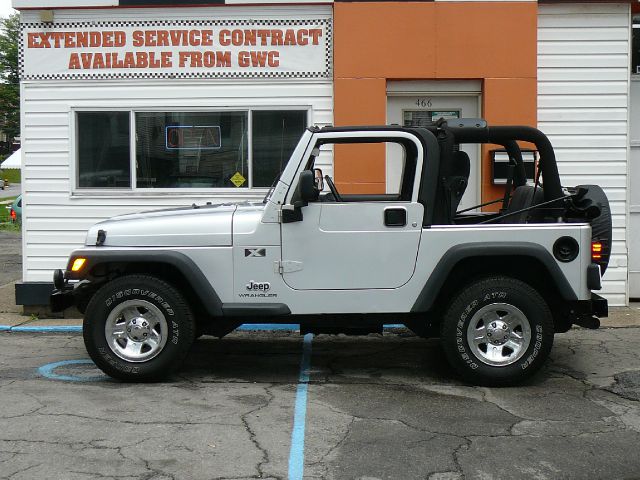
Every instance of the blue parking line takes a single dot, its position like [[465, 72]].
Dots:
[[296, 454], [247, 327], [53, 328], [268, 326]]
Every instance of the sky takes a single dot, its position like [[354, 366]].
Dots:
[[5, 8]]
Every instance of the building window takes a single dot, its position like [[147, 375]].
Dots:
[[196, 149], [224, 149], [103, 150], [275, 135]]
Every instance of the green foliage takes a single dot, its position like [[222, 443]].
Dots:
[[11, 174], [10, 227], [9, 76]]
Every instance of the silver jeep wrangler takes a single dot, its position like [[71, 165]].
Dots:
[[494, 286]]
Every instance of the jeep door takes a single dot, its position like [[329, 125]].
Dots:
[[357, 241]]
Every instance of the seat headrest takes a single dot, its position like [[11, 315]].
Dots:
[[461, 165]]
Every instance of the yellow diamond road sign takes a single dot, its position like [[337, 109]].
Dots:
[[237, 179]]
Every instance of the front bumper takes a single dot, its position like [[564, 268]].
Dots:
[[67, 294], [60, 300]]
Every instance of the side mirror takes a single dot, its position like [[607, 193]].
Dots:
[[308, 190], [319, 177]]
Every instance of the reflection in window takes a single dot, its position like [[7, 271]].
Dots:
[[275, 135], [195, 149], [186, 149], [103, 150]]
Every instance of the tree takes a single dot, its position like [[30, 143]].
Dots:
[[9, 76]]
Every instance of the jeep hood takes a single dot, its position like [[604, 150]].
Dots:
[[196, 226]]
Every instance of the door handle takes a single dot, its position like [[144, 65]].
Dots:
[[395, 217]]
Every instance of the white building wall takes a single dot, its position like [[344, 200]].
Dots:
[[55, 217], [583, 98]]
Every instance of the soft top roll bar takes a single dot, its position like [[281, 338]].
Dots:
[[504, 135]]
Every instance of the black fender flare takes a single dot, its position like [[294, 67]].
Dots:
[[438, 277], [187, 267]]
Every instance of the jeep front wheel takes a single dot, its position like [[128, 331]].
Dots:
[[497, 331], [138, 328]]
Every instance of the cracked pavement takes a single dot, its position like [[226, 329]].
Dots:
[[379, 407]]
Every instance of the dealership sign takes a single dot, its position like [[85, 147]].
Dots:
[[177, 49]]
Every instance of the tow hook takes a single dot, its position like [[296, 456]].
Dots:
[[587, 321]]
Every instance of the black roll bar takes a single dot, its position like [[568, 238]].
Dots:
[[504, 135]]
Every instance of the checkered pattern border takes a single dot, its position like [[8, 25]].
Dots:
[[325, 74]]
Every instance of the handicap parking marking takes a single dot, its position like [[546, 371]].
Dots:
[[296, 454], [48, 371]]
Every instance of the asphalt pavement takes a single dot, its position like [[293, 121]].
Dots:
[[13, 190], [277, 405], [376, 407]]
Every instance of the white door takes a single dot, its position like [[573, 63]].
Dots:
[[345, 246], [351, 241], [420, 110]]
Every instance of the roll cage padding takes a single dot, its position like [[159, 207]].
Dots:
[[514, 152], [185, 265], [447, 263], [502, 134]]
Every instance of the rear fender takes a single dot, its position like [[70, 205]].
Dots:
[[432, 288]]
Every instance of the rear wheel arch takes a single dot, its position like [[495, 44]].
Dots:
[[527, 262]]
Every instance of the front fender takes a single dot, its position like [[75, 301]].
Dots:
[[187, 267]]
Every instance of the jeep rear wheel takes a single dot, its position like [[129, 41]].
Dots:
[[497, 331], [138, 328]]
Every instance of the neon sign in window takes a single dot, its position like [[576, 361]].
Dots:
[[193, 137]]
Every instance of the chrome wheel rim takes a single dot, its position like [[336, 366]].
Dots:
[[136, 330], [499, 334]]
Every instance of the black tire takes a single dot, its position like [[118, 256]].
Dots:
[[149, 296], [485, 298]]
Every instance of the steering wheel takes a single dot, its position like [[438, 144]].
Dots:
[[333, 188]]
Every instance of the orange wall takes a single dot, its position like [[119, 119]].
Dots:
[[379, 41]]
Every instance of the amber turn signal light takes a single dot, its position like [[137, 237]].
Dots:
[[78, 263]]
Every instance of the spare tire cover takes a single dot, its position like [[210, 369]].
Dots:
[[601, 226]]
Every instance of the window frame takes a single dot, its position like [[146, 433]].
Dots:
[[75, 190], [367, 137]]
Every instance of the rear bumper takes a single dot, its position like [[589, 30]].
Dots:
[[599, 306], [587, 313]]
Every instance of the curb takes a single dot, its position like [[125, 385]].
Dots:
[[256, 327]]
